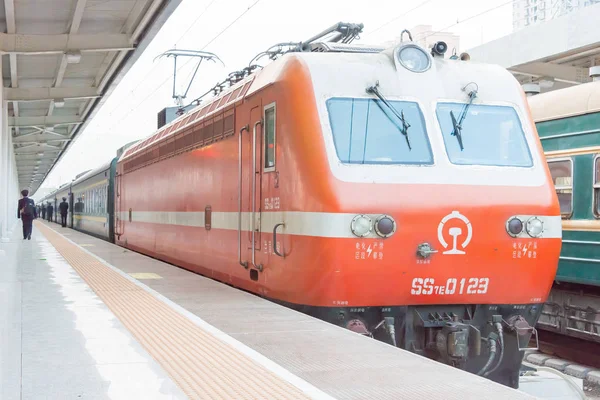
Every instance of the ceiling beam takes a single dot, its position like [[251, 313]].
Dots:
[[28, 167], [573, 57], [28, 145], [60, 75], [40, 136], [562, 73], [42, 143], [14, 77], [9, 11], [49, 93], [44, 121], [32, 167], [62, 68], [58, 44], [77, 15], [23, 156]]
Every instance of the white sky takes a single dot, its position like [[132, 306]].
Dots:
[[131, 111]]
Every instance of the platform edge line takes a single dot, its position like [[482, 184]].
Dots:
[[278, 370]]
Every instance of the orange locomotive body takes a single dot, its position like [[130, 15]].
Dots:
[[397, 194]]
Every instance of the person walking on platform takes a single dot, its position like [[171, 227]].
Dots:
[[27, 212], [43, 211], [63, 207], [49, 211]]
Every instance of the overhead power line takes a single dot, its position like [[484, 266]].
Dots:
[[398, 17], [459, 21], [187, 62], [143, 80]]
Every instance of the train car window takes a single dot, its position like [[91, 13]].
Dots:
[[269, 139], [562, 176], [597, 186], [491, 135], [366, 132]]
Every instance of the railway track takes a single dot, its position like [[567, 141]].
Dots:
[[569, 348]]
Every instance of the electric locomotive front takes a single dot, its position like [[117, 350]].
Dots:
[[396, 194], [436, 167]]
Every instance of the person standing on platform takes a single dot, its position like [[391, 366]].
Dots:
[[64, 208], [43, 211], [27, 212], [49, 211]]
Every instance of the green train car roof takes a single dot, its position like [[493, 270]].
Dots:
[[568, 102]]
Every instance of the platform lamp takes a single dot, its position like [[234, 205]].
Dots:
[[531, 89], [595, 73]]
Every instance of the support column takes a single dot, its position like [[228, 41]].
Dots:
[[6, 175], [12, 175], [3, 172]]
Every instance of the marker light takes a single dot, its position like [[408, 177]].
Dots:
[[438, 49], [385, 226], [414, 58], [514, 226], [361, 225], [534, 227]]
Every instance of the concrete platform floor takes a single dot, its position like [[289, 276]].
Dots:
[[59, 341]]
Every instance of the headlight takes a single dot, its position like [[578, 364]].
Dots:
[[414, 58], [534, 227], [361, 225], [514, 226], [385, 226]]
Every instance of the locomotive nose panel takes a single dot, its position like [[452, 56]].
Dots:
[[459, 256], [476, 259]]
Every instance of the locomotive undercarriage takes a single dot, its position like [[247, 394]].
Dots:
[[488, 340]]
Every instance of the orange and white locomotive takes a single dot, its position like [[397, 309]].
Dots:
[[390, 191]]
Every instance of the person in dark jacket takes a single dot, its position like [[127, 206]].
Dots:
[[27, 213], [64, 208], [49, 211], [43, 211]]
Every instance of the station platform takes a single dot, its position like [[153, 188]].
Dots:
[[81, 318]]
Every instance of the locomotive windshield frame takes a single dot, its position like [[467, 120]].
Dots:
[[479, 137], [365, 133]]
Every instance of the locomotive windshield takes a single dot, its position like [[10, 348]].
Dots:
[[490, 135], [365, 134]]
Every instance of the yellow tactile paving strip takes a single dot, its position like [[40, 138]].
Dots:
[[203, 366]]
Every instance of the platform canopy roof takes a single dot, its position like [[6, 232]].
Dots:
[[557, 53], [62, 58]]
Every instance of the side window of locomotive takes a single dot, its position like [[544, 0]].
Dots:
[[366, 131], [490, 135], [269, 139], [562, 177]]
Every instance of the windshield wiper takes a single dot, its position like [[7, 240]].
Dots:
[[457, 130], [405, 125], [458, 124]]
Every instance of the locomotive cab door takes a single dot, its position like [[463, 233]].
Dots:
[[254, 162], [119, 228]]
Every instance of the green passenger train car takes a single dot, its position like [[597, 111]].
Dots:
[[91, 200], [568, 123], [93, 210]]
